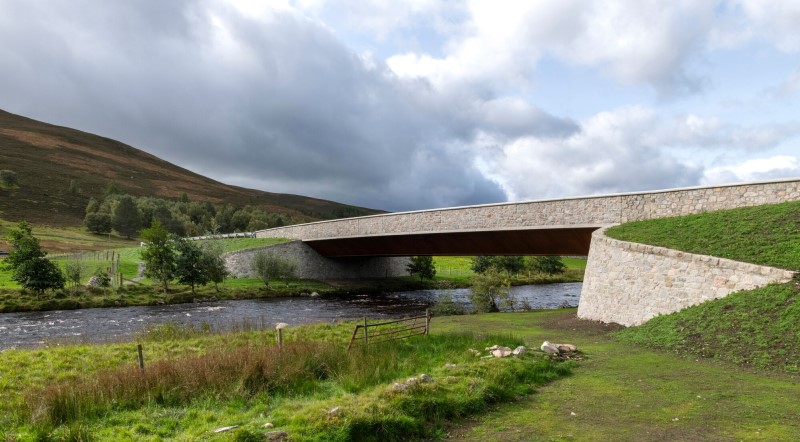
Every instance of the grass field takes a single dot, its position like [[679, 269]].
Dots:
[[195, 382], [618, 392], [767, 235]]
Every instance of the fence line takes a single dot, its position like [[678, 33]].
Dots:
[[391, 330]]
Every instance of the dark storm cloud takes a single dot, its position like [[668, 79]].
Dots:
[[276, 103]]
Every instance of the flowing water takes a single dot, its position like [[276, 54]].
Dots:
[[32, 329]]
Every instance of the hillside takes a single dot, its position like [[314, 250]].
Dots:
[[59, 168]]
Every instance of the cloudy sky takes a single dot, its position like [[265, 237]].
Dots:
[[421, 104]]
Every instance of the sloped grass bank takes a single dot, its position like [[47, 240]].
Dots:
[[196, 382], [767, 235], [758, 328]]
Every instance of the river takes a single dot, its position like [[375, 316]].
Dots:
[[33, 329]]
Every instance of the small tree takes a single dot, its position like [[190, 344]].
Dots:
[[159, 255], [74, 271], [97, 222], [510, 264], [422, 266], [214, 263], [481, 264], [268, 265], [546, 264], [8, 178], [189, 263], [28, 264], [489, 292], [126, 218]]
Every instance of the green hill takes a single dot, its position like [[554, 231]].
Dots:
[[59, 168]]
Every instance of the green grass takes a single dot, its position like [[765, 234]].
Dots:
[[756, 328], [195, 382], [767, 235], [457, 270], [624, 392]]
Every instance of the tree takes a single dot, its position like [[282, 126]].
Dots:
[[214, 263], [510, 264], [481, 264], [159, 254], [74, 271], [111, 189], [546, 264], [422, 266], [126, 218], [97, 222], [490, 291], [268, 265], [92, 206], [189, 263], [8, 178], [28, 264]]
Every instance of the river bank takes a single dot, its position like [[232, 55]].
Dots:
[[16, 300]]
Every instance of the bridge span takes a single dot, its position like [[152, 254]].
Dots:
[[545, 227]]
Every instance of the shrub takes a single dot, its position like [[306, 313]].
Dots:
[[8, 178], [490, 291], [267, 265]]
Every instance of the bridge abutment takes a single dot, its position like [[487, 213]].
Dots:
[[629, 283], [312, 265]]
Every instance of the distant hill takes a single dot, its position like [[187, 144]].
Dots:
[[59, 168]]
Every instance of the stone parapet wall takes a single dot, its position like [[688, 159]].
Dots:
[[594, 211], [629, 283], [311, 265]]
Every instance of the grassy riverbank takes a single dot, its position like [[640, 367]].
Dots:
[[196, 382], [619, 391]]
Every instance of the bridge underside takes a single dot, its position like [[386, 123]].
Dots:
[[539, 241]]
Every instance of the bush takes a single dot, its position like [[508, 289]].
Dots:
[[98, 222], [28, 264], [550, 265], [267, 265], [490, 291], [8, 178]]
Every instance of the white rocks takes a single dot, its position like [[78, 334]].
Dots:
[[269, 425], [519, 350], [501, 352], [474, 352], [281, 325], [425, 378], [566, 348], [400, 387], [335, 411], [549, 348], [449, 365]]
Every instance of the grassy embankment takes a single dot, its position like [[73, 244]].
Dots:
[[195, 382], [756, 328], [456, 270]]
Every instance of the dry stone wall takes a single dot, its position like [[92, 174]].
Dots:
[[629, 283], [590, 211], [312, 265]]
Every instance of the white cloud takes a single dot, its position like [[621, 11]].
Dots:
[[780, 166]]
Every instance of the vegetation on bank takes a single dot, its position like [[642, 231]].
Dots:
[[767, 235], [755, 328], [196, 381]]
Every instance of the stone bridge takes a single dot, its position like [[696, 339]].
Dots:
[[624, 283], [546, 227]]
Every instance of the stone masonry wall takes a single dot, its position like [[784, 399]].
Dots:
[[590, 211], [311, 265], [629, 283]]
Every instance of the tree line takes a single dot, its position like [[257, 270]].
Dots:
[[127, 215]]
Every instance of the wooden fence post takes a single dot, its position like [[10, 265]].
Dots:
[[280, 339], [141, 357], [427, 321], [366, 333]]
